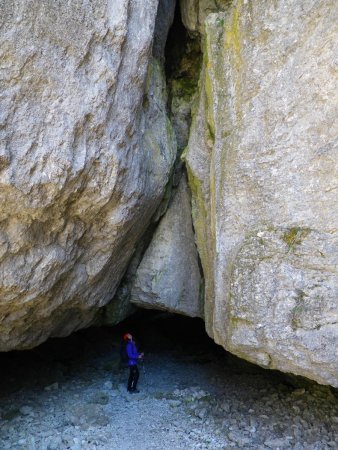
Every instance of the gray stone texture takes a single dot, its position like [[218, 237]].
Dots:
[[168, 276], [86, 150], [262, 165], [164, 20], [195, 12]]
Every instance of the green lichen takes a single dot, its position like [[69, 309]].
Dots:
[[199, 212], [183, 60], [237, 322], [204, 241], [208, 86], [233, 44], [201, 293], [184, 87], [220, 22], [294, 236], [155, 85], [298, 309], [226, 32], [233, 33], [170, 130], [213, 70]]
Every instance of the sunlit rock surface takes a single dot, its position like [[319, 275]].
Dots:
[[262, 164], [83, 164], [87, 150]]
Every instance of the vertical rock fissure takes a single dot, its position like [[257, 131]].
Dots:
[[183, 63], [183, 60], [166, 271]]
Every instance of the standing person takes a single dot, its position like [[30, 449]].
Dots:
[[133, 357]]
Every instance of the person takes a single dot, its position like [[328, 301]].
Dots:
[[133, 357]]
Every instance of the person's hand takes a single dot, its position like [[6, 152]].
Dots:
[[141, 355]]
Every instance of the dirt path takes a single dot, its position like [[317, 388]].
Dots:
[[193, 395]]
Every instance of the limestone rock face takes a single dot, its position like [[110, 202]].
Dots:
[[283, 311], [83, 164], [168, 276], [195, 12], [262, 164]]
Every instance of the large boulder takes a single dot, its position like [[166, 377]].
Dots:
[[262, 164], [86, 151], [168, 277]]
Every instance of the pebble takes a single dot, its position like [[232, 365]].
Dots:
[[226, 407], [201, 413], [55, 444], [298, 392], [175, 403], [26, 410], [239, 439], [276, 443], [52, 387]]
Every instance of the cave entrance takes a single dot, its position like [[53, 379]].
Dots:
[[70, 394], [156, 333]]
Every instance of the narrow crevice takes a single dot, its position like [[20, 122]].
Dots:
[[183, 61], [180, 55]]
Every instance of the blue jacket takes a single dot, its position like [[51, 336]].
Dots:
[[132, 353]]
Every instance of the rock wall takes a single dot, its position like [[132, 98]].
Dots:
[[262, 164], [87, 156], [86, 151]]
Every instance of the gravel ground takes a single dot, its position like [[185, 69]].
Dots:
[[71, 394]]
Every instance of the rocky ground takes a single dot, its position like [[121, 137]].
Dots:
[[71, 394]]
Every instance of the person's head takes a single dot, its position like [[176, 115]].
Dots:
[[127, 337]]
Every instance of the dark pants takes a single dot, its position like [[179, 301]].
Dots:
[[133, 378]]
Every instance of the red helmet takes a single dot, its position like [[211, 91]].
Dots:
[[127, 337]]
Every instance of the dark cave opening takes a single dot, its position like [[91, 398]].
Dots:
[[74, 389], [60, 358], [155, 333], [183, 55]]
